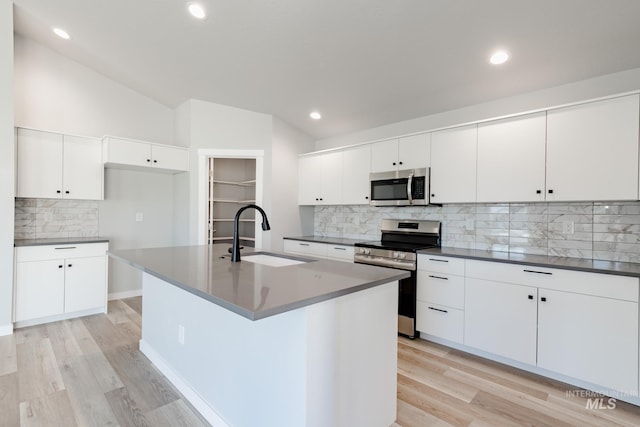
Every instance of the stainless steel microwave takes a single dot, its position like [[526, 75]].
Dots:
[[408, 187]]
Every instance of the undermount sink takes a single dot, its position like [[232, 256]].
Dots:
[[272, 260]]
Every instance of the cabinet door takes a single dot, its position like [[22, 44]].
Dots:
[[356, 165], [82, 168], [172, 158], [331, 178], [592, 151], [39, 164], [39, 289], [127, 152], [453, 165], [591, 338], [414, 151], [85, 283], [511, 159], [384, 156], [309, 180], [500, 318]]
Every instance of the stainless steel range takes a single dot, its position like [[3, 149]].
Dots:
[[397, 249]]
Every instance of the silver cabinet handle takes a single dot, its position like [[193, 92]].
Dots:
[[438, 260], [339, 249], [439, 277], [67, 247], [303, 244], [438, 309]]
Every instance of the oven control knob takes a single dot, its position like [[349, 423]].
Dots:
[[395, 255], [403, 256], [367, 251]]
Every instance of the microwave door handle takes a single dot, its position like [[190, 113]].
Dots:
[[409, 189]]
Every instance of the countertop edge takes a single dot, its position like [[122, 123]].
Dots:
[[18, 243], [326, 240], [623, 269], [252, 315]]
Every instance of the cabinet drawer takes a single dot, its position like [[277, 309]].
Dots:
[[440, 321], [39, 253], [597, 284], [307, 248], [340, 252], [440, 264], [438, 288]]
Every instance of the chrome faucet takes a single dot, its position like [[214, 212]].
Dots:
[[235, 249]]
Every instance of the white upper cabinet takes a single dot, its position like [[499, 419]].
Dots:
[[126, 153], [592, 151], [511, 159], [408, 152], [356, 165], [320, 179], [56, 166], [453, 165]]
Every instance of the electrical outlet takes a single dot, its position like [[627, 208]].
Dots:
[[139, 216], [181, 334], [567, 227]]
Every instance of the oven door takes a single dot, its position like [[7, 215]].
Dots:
[[407, 306], [400, 188]]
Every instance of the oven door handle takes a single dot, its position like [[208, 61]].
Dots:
[[409, 182]]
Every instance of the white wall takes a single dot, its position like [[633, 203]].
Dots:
[[287, 218], [55, 93], [7, 168], [213, 126], [574, 92]]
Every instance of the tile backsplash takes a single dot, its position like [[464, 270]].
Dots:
[[53, 218], [591, 230]]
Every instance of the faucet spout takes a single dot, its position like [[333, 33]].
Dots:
[[235, 249]]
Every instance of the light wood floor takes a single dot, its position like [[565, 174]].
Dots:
[[89, 372]]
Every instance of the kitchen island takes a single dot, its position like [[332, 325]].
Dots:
[[273, 340]]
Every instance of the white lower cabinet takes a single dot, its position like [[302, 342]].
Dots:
[[440, 297], [500, 318], [576, 324], [319, 250], [591, 338], [53, 282]]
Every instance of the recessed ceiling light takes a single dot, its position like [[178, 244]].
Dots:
[[499, 57], [315, 115], [61, 33], [197, 10]]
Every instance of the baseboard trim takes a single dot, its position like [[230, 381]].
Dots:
[[6, 330], [183, 387], [125, 294]]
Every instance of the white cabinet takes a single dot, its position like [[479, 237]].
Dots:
[[55, 166], [453, 165], [588, 337], [141, 155], [356, 166], [592, 151], [59, 281], [319, 250], [577, 324], [320, 179], [511, 159], [500, 318], [440, 297], [408, 152]]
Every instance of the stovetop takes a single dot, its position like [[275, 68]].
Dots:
[[395, 246]]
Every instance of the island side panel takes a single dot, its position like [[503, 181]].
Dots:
[[352, 362], [235, 371]]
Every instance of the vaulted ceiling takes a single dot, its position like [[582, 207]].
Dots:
[[361, 63]]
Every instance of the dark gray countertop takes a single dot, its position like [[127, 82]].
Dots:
[[588, 265], [252, 290], [59, 241], [328, 240]]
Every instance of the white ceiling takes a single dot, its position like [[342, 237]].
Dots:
[[362, 63]]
